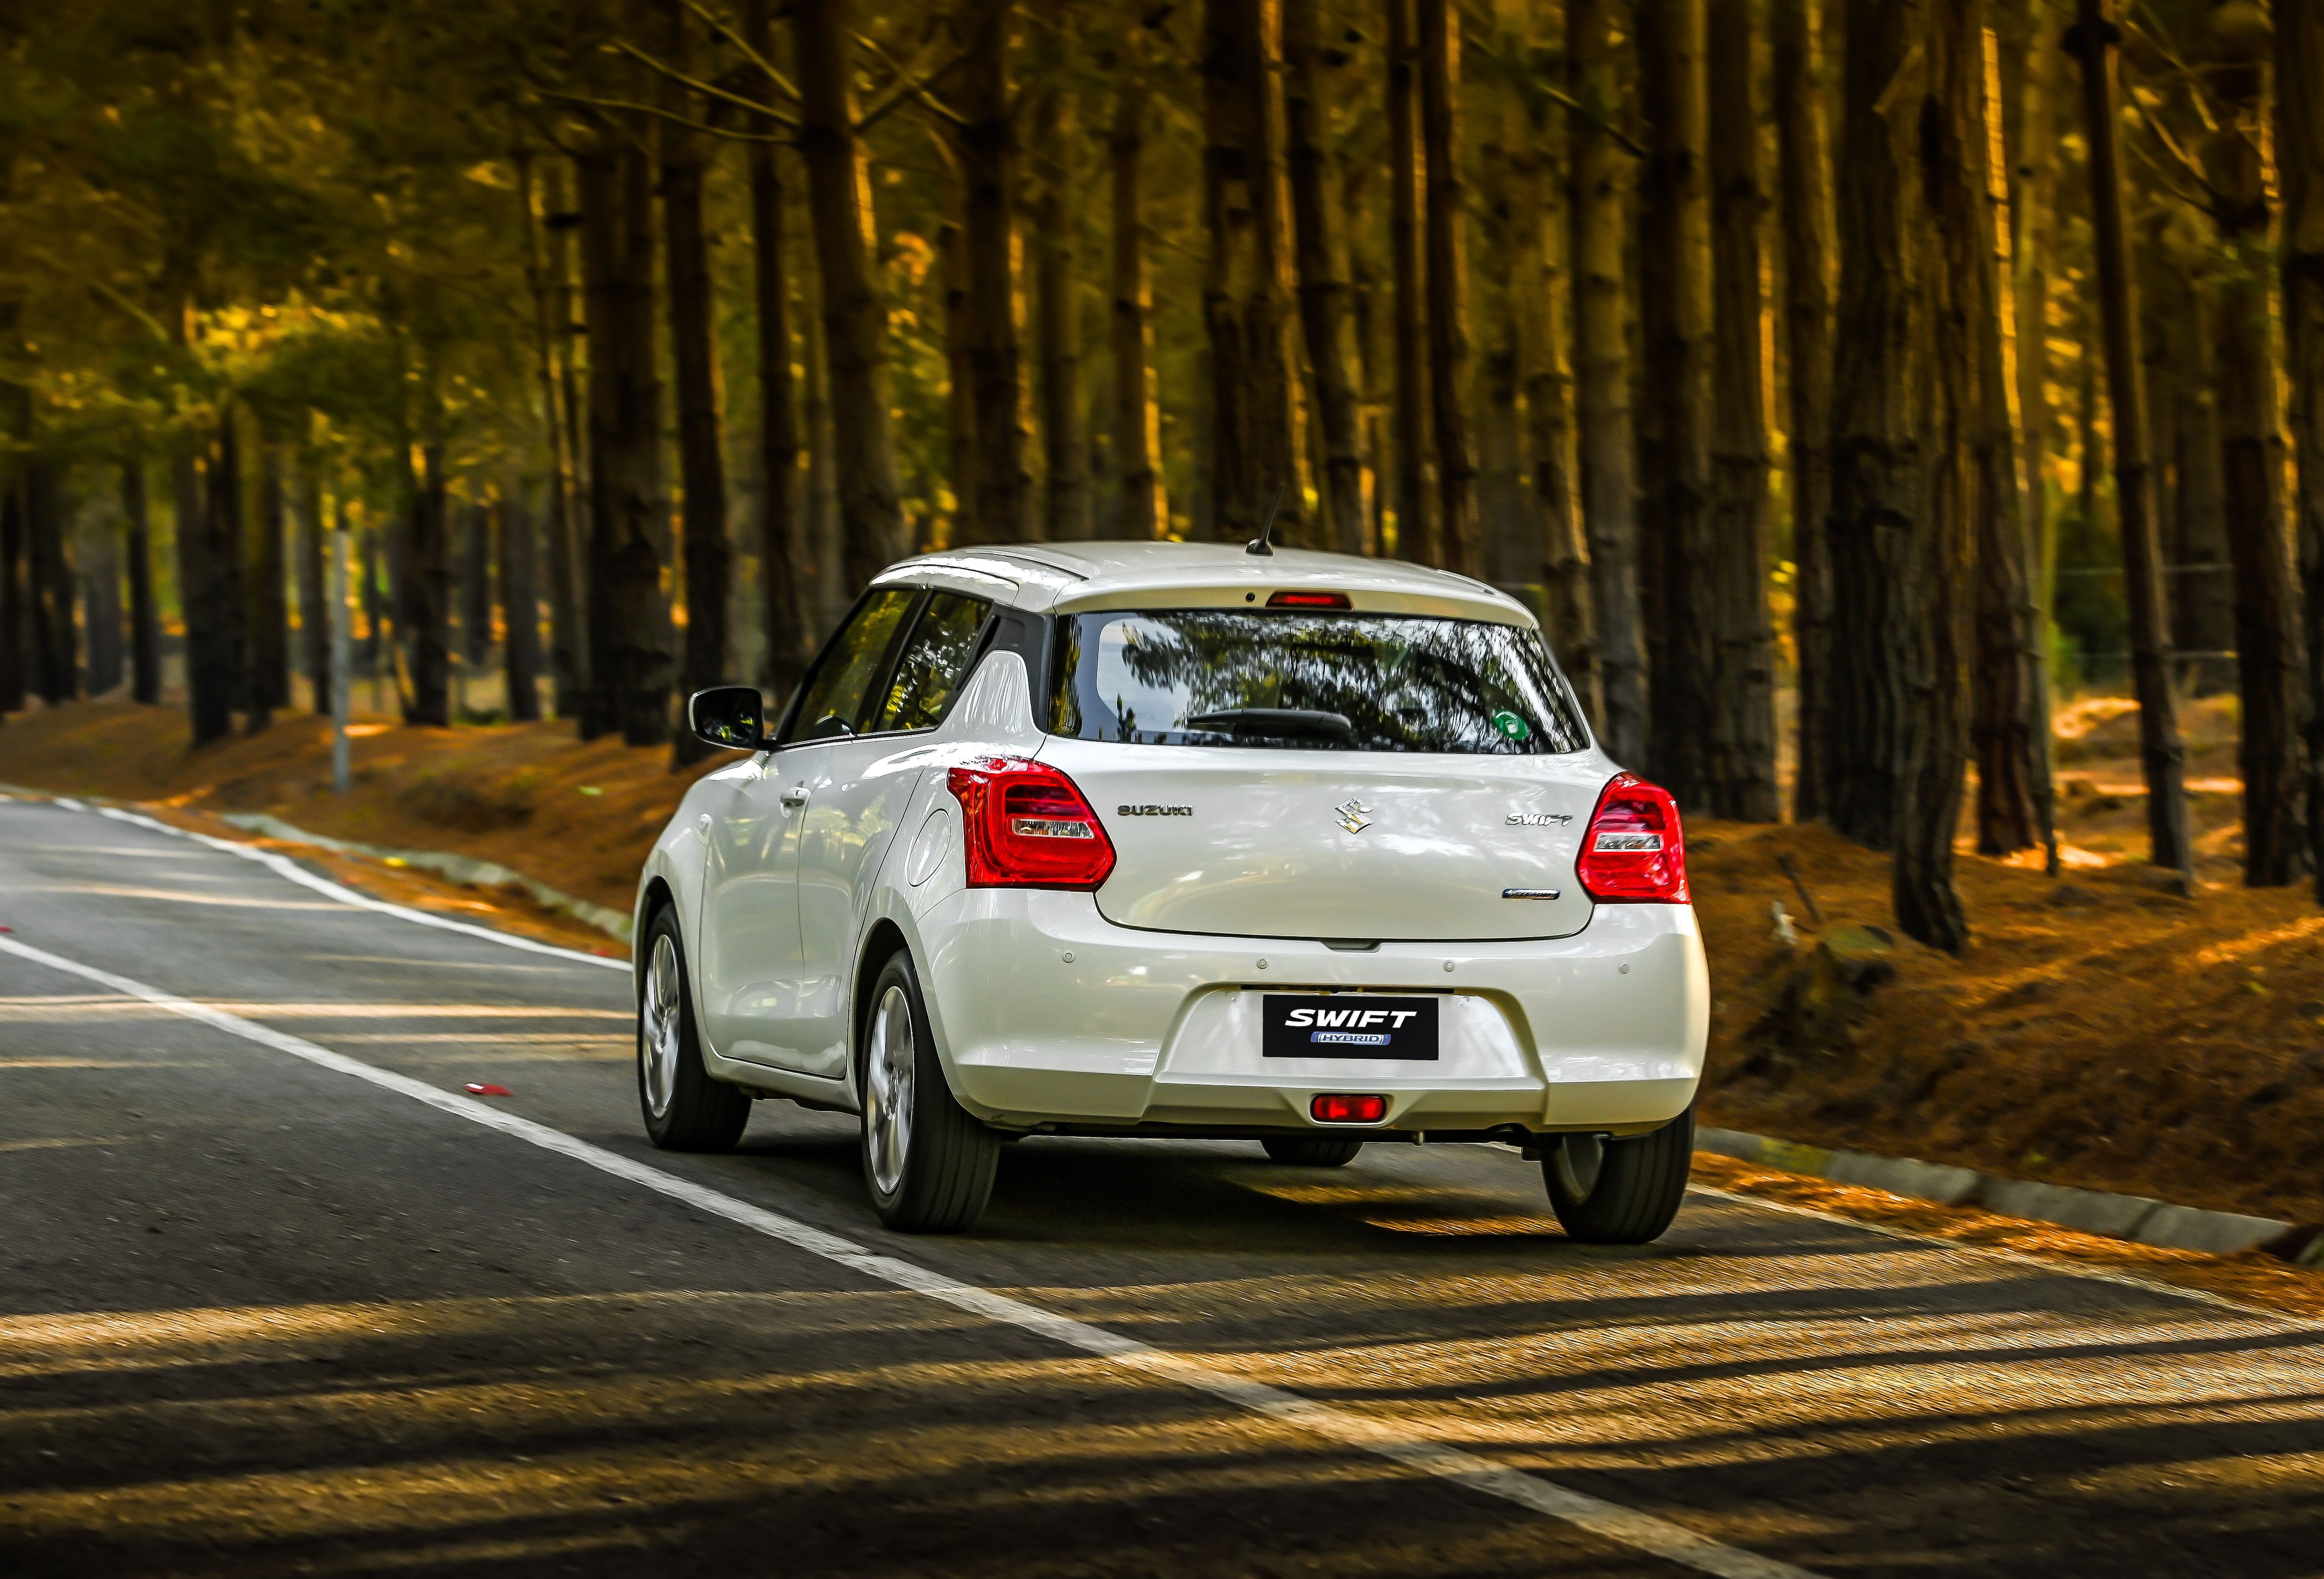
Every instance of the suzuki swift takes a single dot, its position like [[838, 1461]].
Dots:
[[1178, 840]]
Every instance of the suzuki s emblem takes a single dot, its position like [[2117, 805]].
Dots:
[[1354, 815]]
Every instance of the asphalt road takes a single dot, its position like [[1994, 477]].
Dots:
[[259, 1315]]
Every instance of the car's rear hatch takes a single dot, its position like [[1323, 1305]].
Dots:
[[1358, 845]]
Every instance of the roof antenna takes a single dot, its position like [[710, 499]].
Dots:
[[1260, 544]]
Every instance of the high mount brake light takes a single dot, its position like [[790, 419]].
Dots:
[[1634, 851], [1029, 827], [1308, 601]]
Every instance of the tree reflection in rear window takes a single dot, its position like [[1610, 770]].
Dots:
[[1311, 681]]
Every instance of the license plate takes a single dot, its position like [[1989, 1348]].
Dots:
[[1349, 1025]]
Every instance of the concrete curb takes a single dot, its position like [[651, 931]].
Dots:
[[2133, 1218]]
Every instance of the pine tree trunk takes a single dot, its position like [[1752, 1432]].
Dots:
[[1366, 322], [552, 315], [1417, 535], [702, 462], [855, 317], [2164, 756], [1458, 530], [960, 396], [209, 589], [15, 612], [1323, 283], [780, 546], [1144, 512], [2031, 65], [1602, 173], [1245, 291], [520, 558], [1002, 509], [630, 661], [269, 593], [474, 547], [432, 589], [1879, 413], [1539, 290], [2202, 588], [1067, 514], [1742, 766], [2010, 715], [145, 614], [1805, 160], [1675, 315], [314, 614], [2268, 664], [56, 649], [2300, 163]]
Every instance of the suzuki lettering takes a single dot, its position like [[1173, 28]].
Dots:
[[910, 902]]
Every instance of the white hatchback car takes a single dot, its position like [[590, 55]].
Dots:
[[1176, 840]]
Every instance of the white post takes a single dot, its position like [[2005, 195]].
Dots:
[[342, 653]]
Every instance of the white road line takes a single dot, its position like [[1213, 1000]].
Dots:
[[1642, 1532], [282, 865]]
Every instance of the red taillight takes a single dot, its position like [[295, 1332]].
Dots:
[[1634, 851], [1028, 827], [1308, 601], [1349, 1109]]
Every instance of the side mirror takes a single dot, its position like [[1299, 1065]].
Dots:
[[732, 716]]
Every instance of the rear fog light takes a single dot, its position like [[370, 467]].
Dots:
[[1348, 1109]]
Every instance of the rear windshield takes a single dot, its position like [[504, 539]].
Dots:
[[1311, 681]]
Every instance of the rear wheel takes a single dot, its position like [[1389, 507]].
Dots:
[[684, 1109], [1619, 1192], [928, 1160], [1311, 1150]]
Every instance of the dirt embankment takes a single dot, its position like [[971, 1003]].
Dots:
[[2100, 1032]]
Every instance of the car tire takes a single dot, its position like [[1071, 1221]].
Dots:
[[1311, 1150], [928, 1161], [684, 1109], [1619, 1192]]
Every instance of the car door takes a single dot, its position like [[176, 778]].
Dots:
[[747, 953], [856, 795]]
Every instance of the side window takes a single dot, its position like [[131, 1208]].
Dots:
[[833, 702], [934, 662]]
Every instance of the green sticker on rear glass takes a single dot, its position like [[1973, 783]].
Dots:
[[1512, 726]]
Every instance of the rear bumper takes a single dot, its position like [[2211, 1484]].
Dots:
[[1046, 1013]]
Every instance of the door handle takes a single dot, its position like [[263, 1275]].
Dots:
[[795, 796]]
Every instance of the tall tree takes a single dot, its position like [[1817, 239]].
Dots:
[[2259, 530], [2009, 716], [781, 542], [316, 617], [1417, 535], [1002, 511], [2162, 754], [1245, 288], [97, 555], [519, 560], [144, 613], [1067, 512], [1881, 371], [630, 667], [1459, 536], [429, 637], [473, 548], [1539, 291], [56, 648], [209, 581], [1136, 417], [1804, 175], [552, 312], [855, 317], [1675, 318], [701, 445], [1602, 175], [268, 611], [1741, 770], [2300, 158], [1323, 283]]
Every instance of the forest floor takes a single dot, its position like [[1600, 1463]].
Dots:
[[2100, 1031]]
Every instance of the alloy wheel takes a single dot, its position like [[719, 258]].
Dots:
[[889, 1073], [658, 1040]]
